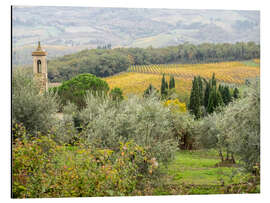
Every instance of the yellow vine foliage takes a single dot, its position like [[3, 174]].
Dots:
[[138, 78], [176, 105], [256, 61], [136, 83], [227, 72]]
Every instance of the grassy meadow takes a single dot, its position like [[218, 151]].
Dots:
[[197, 172]]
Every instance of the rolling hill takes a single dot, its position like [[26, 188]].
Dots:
[[65, 30]]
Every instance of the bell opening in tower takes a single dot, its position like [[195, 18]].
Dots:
[[39, 66]]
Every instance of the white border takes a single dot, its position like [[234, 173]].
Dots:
[[190, 4]]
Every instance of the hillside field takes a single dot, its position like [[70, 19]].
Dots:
[[138, 78]]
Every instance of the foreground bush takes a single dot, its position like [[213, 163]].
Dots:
[[41, 168], [30, 108]]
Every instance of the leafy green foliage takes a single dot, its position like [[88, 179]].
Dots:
[[74, 90], [99, 62], [116, 94]]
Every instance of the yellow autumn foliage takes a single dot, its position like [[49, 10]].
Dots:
[[138, 77], [176, 105]]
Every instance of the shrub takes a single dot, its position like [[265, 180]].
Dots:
[[116, 94], [74, 90], [64, 131], [41, 168], [30, 108], [184, 129], [175, 105], [143, 120]]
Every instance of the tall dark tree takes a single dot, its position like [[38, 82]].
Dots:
[[163, 89], [213, 80], [218, 99], [211, 101], [150, 89], [206, 94], [227, 95], [221, 89], [200, 93], [215, 99], [172, 82], [194, 102], [236, 93]]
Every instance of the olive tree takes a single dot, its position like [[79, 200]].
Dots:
[[30, 108], [235, 128], [143, 120]]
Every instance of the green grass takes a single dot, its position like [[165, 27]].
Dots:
[[195, 172], [199, 168]]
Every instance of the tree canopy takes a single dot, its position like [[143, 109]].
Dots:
[[75, 89]]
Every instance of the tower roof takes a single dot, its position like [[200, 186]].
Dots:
[[39, 51]]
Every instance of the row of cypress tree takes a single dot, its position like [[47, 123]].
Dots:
[[209, 95], [164, 85], [164, 90]]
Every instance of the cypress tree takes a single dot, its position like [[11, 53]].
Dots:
[[191, 99], [194, 104], [150, 89], [227, 95], [171, 83], [213, 80], [236, 93], [166, 86], [215, 99], [221, 90], [206, 94], [219, 101], [163, 86], [200, 93], [211, 101]]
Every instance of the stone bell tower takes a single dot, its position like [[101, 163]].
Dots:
[[40, 68]]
